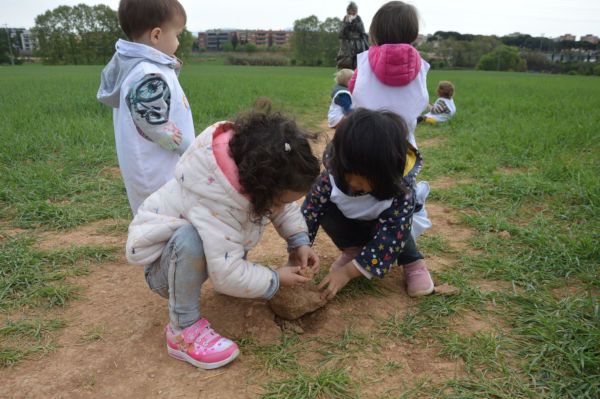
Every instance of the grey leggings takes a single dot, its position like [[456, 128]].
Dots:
[[179, 274]]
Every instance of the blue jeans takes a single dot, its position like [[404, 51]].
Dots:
[[179, 274]]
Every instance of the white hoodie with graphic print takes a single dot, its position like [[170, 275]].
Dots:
[[149, 106]]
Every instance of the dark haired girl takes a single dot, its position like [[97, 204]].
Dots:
[[233, 180], [365, 201]]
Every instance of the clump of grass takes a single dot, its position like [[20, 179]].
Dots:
[[31, 278], [347, 345], [329, 383], [392, 367], [95, 333], [360, 287], [407, 326], [114, 229], [559, 341], [434, 244], [482, 350], [26, 338], [30, 328], [282, 356], [10, 356]]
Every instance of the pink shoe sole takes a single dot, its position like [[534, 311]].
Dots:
[[422, 292], [179, 355]]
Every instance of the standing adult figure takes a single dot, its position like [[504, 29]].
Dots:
[[353, 39]]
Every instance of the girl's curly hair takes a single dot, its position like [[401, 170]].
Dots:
[[272, 155]]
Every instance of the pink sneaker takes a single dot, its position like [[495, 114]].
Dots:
[[418, 279], [201, 346]]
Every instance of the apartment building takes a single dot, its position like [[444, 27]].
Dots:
[[215, 38]]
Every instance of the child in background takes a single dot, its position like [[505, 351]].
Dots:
[[365, 200], [151, 114], [341, 79], [391, 75], [443, 109], [341, 99], [227, 186]]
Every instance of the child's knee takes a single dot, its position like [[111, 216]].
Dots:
[[187, 242]]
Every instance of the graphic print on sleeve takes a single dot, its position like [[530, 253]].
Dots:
[[149, 102]]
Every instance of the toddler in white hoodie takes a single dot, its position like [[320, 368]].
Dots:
[[151, 115]]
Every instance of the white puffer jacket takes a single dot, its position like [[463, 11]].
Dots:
[[200, 194]]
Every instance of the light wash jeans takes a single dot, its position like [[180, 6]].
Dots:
[[179, 274], [181, 270]]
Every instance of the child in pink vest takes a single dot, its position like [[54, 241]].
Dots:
[[391, 75]]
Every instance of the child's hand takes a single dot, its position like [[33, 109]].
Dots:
[[337, 279], [177, 137], [288, 275], [304, 256]]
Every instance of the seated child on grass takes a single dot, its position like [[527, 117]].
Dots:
[[341, 99], [443, 109]]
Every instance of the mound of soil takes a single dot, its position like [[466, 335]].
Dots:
[[291, 303]]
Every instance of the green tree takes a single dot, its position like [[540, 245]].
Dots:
[[504, 58], [234, 40], [330, 42], [305, 41], [77, 35], [8, 54], [315, 42], [186, 43]]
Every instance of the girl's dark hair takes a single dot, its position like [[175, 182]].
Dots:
[[272, 155], [395, 22], [138, 16], [371, 144]]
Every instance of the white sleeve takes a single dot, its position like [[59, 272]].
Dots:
[[223, 245], [289, 221]]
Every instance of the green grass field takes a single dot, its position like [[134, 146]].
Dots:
[[523, 154]]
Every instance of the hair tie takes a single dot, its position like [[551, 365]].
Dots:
[[287, 147]]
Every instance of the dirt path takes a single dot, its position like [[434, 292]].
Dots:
[[130, 359]]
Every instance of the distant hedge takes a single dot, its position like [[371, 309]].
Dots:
[[258, 59]]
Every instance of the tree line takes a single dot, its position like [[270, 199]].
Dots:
[[85, 34], [315, 42], [80, 34], [510, 53]]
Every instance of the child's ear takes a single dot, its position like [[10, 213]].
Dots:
[[155, 35]]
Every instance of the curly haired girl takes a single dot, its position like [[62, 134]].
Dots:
[[233, 180]]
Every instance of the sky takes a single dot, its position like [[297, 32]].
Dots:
[[549, 18]]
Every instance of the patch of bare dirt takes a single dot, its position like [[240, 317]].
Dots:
[[487, 286], [88, 235], [446, 182], [8, 230], [446, 223], [469, 323], [512, 171], [113, 172], [432, 142], [130, 359]]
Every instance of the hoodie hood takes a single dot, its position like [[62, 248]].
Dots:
[[127, 56], [395, 64]]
